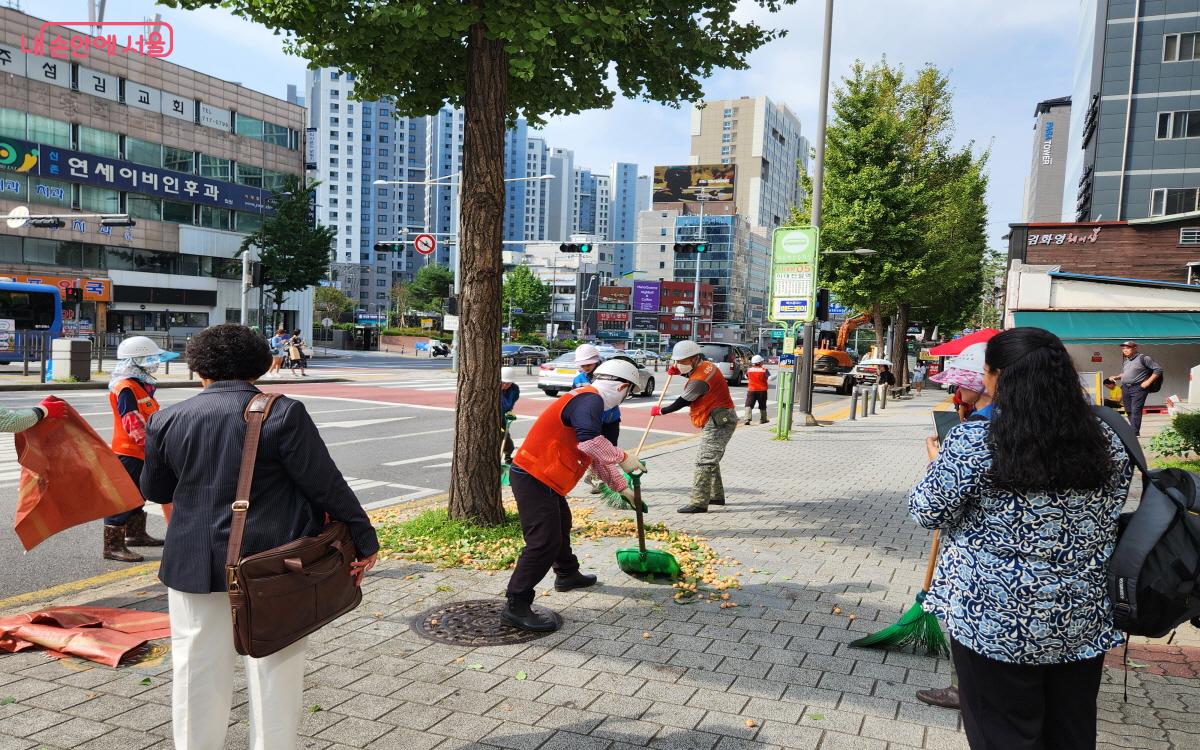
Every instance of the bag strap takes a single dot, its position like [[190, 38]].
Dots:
[[255, 414], [1124, 431]]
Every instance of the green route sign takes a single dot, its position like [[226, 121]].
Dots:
[[794, 274]]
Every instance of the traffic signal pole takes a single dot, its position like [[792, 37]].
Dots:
[[696, 288]]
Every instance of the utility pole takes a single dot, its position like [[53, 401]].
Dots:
[[696, 288]]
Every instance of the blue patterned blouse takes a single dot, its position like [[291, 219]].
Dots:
[[1021, 577]]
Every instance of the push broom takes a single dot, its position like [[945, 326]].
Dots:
[[612, 498], [639, 560], [916, 628], [504, 468]]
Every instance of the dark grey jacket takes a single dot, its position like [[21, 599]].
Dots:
[[193, 451]]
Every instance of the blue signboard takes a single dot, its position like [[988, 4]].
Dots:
[[837, 309], [40, 160]]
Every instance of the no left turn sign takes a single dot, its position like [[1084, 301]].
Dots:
[[424, 244]]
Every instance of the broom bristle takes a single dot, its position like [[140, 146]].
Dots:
[[916, 628], [614, 499]]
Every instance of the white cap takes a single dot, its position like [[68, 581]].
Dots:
[[508, 374], [971, 358], [684, 349], [586, 354], [756, 359], [138, 346], [620, 369]]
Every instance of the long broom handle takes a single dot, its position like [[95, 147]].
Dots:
[[933, 556], [650, 424]]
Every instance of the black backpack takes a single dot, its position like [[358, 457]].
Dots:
[[1156, 386], [1154, 573]]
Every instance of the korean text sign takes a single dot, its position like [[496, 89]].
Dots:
[[793, 274], [89, 169]]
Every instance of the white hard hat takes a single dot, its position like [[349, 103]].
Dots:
[[684, 349], [508, 374], [971, 359], [756, 359], [138, 346], [586, 354], [619, 369]]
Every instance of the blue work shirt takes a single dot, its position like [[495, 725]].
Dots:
[[610, 415]]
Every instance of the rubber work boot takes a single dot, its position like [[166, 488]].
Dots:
[[135, 532], [576, 580], [519, 614], [946, 697], [114, 545]]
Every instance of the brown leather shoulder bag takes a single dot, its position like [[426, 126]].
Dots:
[[281, 595]]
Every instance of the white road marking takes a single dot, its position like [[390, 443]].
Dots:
[[438, 466], [354, 423], [419, 459], [387, 437]]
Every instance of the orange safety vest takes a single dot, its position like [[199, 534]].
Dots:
[[122, 444], [716, 397], [757, 377], [550, 452]]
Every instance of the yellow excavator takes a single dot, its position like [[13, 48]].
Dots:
[[832, 367]]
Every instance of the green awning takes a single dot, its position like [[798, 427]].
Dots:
[[1115, 327]]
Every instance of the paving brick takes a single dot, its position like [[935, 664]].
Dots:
[[838, 741], [27, 687], [626, 730], [518, 736], [571, 697], [8, 742], [942, 739], [117, 739], [612, 683], [762, 708], [30, 721], [405, 739], [355, 732], [789, 735], [714, 701], [682, 739], [620, 705], [144, 718], [731, 725], [469, 702], [422, 692], [667, 714], [519, 711], [571, 741], [571, 719], [369, 706], [59, 698]]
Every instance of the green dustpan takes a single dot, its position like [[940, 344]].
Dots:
[[639, 560]]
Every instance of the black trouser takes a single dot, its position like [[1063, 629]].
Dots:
[[133, 467], [546, 526], [1133, 398], [756, 398], [1027, 706]]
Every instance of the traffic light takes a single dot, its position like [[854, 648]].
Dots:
[[258, 275], [691, 247], [575, 247], [73, 296], [822, 304], [387, 247]]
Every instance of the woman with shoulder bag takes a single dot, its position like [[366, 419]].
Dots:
[[1027, 502], [296, 355], [193, 454]]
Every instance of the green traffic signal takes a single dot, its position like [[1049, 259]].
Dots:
[[702, 247], [585, 248]]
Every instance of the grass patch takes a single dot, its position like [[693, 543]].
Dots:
[[1187, 464], [433, 537]]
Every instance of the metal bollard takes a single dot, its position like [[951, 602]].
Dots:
[[874, 399], [883, 398], [528, 367], [854, 404], [865, 405], [23, 340]]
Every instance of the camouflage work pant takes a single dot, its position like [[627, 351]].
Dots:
[[707, 486]]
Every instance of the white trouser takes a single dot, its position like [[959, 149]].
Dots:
[[203, 658]]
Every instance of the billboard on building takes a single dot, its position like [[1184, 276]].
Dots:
[[645, 296], [693, 183]]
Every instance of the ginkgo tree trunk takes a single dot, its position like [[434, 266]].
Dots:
[[500, 60]]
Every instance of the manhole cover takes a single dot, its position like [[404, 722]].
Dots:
[[474, 623]]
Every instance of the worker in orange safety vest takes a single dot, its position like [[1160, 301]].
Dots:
[[757, 376]]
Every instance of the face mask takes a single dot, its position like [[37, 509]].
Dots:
[[683, 368], [611, 391], [148, 364]]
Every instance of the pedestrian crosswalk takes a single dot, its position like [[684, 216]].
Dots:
[[10, 470]]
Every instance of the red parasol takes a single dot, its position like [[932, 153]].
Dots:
[[69, 476], [954, 347]]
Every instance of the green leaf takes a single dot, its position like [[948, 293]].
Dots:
[[314, 708], [145, 681], [815, 717], [521, 675], [474, 666], [7, 700]]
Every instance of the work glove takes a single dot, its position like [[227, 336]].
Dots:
[[656, 411], [53, 407], [632, 463], [673, 370], [628, 494]]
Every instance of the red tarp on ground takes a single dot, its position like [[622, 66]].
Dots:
[[69, 476], [99, 634], [954, 348]]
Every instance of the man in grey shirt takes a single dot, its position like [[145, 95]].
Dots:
[[1138, 373]]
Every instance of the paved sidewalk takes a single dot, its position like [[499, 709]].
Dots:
[[827, 554]]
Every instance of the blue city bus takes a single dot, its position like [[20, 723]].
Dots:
[[27, 309]]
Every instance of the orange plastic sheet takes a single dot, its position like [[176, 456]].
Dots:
[[69, 476], [99, 634]]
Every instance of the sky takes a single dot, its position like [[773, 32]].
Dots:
[[1002, 59]]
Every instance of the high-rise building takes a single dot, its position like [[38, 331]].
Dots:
[[1048, 166], [645, 188], [762, 141], [190, 158], [537, 192], [583, 216], [623, 214], [1134, 111], [604, 214]]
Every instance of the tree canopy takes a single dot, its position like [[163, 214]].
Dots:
[[330, 302], [430, 287], [293, 251], [895, 184], [525, 291]]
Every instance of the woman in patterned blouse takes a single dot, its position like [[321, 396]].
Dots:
[[1028, 505]]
